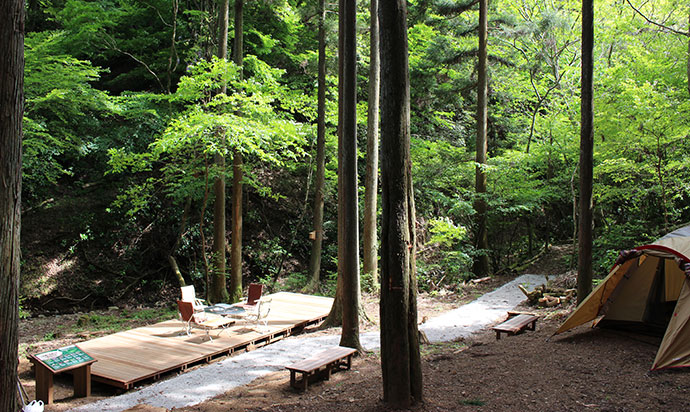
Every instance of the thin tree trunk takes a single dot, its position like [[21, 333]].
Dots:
[[348, 216], [11, 113], [219, 292], [317, 242], [207, 274], [237, 176], [370, 258], [400, 356], [688, 64], [173, 48], [171, 258], [481, 263], [236, 245], [660, 175], [584, 269]]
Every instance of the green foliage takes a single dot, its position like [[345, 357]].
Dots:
[[125, 94], [63, 112]]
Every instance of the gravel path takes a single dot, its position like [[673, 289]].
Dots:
[[198, 385]]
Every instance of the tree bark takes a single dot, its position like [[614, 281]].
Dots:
[[237, 176], [584, 266], [236, 245], [219, 292], [11, 114], [171, 255], [317, 242], [481, 262], [348, 216], [370, 258], [400, 356]]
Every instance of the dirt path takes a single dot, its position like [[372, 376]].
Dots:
[[204, 383]]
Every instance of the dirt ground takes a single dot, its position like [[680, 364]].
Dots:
[[582, 370]]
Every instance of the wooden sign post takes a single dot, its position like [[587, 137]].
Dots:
[[68, 358]]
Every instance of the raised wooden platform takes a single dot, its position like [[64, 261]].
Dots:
[[128, 357]]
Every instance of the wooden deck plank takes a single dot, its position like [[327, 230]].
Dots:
[[125, 358]]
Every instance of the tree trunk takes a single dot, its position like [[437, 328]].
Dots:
[[237, 176], [236, 246], [584, 266], [481, 262], [317, 242], [219, 292], [348, 216], [178, 239], [688, 64], [370, 258], [202, 237], [173, 49], [400, 356], [11, 113]]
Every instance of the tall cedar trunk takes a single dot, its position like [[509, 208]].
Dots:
[[481, 263], [218, 291], [11, 113], [236, 247], [584, 266], [400, 357], [348, 216], [317, 242], [370, 258]]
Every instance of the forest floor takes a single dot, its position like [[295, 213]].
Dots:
[[587, 369]]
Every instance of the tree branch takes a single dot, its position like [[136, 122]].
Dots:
[[666, 28]]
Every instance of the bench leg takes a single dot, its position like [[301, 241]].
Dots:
[[498, 335], [293, 380], [305, 381]]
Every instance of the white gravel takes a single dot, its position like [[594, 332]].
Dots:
[[198, 385]]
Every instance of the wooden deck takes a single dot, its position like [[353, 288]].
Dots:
[[128, 357]]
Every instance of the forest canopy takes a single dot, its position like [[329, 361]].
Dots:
[[123, 118]]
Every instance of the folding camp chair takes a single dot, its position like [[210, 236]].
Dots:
[[258, 314], [202, 320], [253, 295], [189, 295]]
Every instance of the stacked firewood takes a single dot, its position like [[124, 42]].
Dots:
[[545, 296]]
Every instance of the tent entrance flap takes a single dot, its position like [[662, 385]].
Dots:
[[647, 291]]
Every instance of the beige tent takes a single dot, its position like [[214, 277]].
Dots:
[[648, 290]]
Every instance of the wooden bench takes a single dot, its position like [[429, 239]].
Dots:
[[338, 357], [516, 324]]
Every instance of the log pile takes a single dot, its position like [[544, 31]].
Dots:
[[545, 296]]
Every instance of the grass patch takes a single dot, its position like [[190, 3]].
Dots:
[[436, 348], [121, 321]]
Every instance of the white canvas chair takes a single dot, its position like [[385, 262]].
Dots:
[[258, 314], [189, 295]]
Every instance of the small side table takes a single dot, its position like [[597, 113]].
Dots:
[[69, 358]]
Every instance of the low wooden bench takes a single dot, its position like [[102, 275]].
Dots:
[[338, 357], [516, 324]]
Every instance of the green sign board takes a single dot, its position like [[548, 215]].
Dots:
[[62, 358]]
